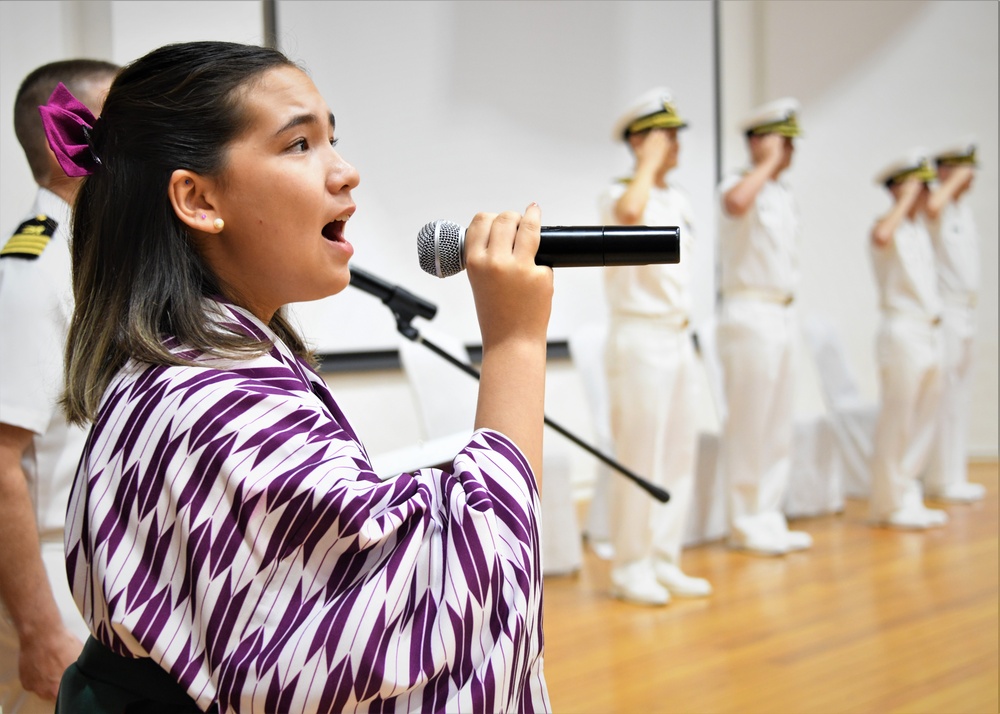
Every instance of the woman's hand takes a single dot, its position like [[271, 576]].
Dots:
[[513, 299], [513, 296]]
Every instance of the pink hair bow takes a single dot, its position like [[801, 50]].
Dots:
[[68, 125]]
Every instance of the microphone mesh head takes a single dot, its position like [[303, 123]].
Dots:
[[440, 245]]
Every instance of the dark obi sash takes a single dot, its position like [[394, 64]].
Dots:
[[102, 682]]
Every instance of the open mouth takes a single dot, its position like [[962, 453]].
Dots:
[[334, 231]]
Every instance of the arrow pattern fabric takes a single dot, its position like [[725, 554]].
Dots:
[[225, 521]]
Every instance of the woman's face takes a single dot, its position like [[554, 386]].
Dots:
[[285, 197]]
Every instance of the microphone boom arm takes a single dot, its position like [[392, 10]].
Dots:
[[403, 304]]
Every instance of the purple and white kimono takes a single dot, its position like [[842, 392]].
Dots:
[[226, 522]]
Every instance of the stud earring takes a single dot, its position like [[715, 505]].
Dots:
[[219, 224], [203, 216]]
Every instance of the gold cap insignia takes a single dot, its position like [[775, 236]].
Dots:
[[922, 171]]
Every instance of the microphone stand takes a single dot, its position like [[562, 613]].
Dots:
[[405, 306]]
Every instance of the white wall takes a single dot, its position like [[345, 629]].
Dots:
[[449, 108]]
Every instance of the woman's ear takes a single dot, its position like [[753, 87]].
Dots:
[[190, 195]]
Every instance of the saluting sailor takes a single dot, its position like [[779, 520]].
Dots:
[[908, 347], [956, 250], [650, 364], [758, 244]]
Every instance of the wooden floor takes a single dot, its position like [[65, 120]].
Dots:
[[868, 620]]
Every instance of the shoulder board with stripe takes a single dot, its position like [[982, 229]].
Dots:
[[30, 238]]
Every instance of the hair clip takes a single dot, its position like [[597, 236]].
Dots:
[[69, 126]]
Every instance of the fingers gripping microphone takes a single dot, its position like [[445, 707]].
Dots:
[[441, 246]]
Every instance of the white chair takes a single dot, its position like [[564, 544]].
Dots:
[[430, 452], [445, 398], [586, 349], [816, 484], [708, 353], [708, 519], [852, 417]]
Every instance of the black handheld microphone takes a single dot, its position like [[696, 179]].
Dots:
[[397, 298], [441, 246]]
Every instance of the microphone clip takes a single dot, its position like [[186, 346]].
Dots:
[[404, 305]]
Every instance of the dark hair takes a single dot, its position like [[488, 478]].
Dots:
[[79, 76], [137, 278]]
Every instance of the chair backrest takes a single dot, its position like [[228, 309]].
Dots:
[[839, 385], [708, 351], [445, 396], [586, 349]]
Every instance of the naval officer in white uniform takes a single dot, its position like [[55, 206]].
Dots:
[[758, 244], [909, 348], [650, 364], [957, 257]]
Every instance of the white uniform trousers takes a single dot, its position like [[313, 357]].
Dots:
[[910, 356], [948, 463], [13, 698], [652, 392], [756, 349]]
